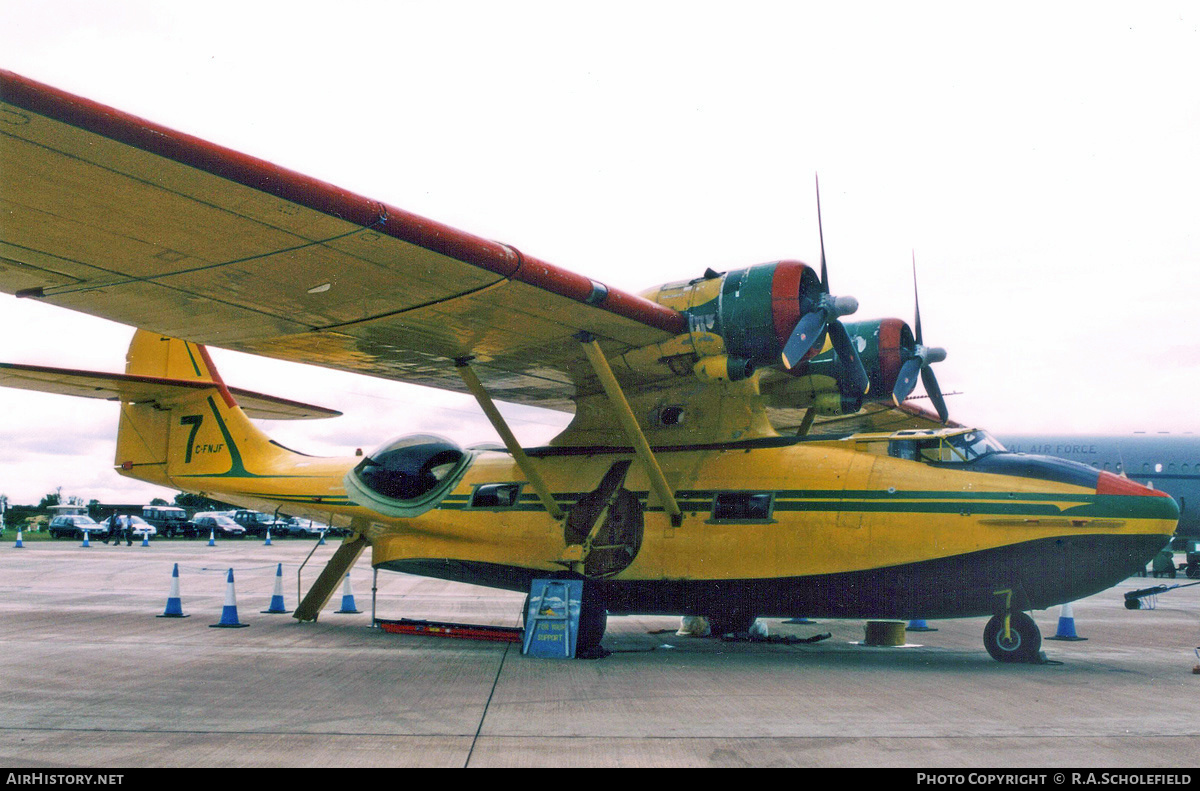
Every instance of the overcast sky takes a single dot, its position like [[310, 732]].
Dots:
[[1043, 160]]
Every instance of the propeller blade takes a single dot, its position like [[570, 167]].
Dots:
[[824, 316], [934, 392], [852, 368], [821, 234], [807, 332], [906, 380], [922, 358], [916, 300]]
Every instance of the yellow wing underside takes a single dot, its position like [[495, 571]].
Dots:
[[114, 216], [105, 227]]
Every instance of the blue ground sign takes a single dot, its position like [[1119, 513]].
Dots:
[[552, 621]]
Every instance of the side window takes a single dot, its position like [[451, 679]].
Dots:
[[496, 495], [743, 506]]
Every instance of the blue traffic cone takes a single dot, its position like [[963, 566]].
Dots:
[[146, 539], [212, 537], [919, 625], [174, 605], [267, 543], [1066, 625], [276, 605], [20, 544], [229, 616], [322, 541], [85, 539], [347, 599]]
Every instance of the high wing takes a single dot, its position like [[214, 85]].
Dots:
[[115, 216], [131, 388]]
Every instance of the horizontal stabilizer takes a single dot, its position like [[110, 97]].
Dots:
[[148, 389]]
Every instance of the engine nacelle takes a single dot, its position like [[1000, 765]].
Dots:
[[753, 309], [883, 345]]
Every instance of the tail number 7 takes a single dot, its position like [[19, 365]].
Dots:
[[194, 421]]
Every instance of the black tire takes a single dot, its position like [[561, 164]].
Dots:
[[1024, 643], [1193, 571], [593, 620], [732, 622]]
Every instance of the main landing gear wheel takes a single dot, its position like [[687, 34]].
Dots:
[[730, 622], [593, 619], [1024, 641]]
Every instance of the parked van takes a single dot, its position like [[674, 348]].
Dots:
[[169, 520]]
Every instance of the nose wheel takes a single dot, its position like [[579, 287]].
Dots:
[[1021, 643]]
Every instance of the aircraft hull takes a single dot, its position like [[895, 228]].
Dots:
[[1039, 574], [897, 539]]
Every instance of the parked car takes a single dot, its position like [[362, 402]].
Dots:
[[217, 525], [301, 528], [168, 520], [255, 523], [140, 526], [74, 525]]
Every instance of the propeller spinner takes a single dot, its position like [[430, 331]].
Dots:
[[918, 362], [822, 317]]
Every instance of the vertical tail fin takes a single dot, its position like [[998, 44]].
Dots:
[[185, 434]]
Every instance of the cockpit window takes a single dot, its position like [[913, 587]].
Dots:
[[944, 448], [409, 475]]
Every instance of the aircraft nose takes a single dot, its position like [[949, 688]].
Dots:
[[1108, 483]]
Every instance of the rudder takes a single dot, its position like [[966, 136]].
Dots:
[[193, 428]]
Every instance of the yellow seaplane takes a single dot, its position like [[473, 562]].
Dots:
[[737, 450]]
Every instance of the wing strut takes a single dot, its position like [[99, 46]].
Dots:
[[510, 441], [658, 481]]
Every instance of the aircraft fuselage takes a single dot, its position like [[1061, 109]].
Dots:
[[772, 527]]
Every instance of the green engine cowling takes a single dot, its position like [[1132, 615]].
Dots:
[[883, 345], [755, 309]]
